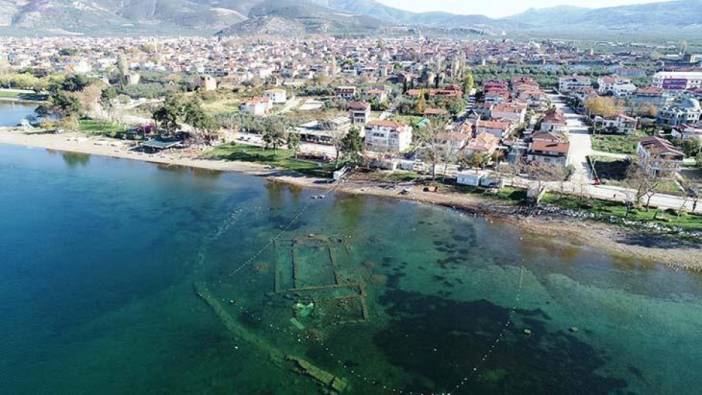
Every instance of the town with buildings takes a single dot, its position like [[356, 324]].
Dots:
[[481, 113]]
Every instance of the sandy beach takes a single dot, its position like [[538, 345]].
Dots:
[[80, 143], [624, 243]]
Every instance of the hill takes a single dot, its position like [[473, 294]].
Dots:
[[664, 19], [203, 17]]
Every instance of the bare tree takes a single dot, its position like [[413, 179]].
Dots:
[[645, 176], [431, 143]]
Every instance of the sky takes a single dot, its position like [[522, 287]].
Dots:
[[500, 8]]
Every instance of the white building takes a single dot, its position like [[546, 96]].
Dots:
[[687, 111], [207, 83], [277, 96], [678, 80], [387, 136], [657, 155], [621, 124], [616, 86], [513, 112], [256, 106], [359, 112], [573, 83]]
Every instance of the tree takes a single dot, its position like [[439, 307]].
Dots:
[[107, 95], [421, 105], [605, 107], [456, 106], [645, 181], [294, 143], [430, 141], [468, 82], [65, 104], [122, 70], [274, 135], [167, 115], [194, 116], [72, 83], [691, 147], [647, 110], [352, 145], [476, 160]]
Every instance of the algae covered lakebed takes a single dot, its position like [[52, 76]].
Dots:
[[118, 276]]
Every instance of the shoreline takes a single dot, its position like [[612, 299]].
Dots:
[[617, 241]]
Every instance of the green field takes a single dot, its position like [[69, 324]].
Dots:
[[616, 144], [689, 222], [5, 94], [105, 128], [280, 158]]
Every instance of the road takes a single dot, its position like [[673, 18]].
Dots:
[[580, 143], [582, 183]]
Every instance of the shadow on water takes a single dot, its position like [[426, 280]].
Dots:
[[659, 241], [440, 341], [75, 159]]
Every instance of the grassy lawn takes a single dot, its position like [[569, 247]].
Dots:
[[105, 128], [225, 105], [617, 144], [394, 176], [511, 194], [281, 158], [690, 222], [22, 95]]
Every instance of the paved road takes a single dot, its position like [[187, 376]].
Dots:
[[582, 183], [580, 143]]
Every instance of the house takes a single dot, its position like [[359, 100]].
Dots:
[[277, 96], [359, 112], [380, 94], [573, 83], [687, 111], [497, 128], [620, 124], [387, 136], [207, 83], [256, 106], [469, 177], [549, 148], [346, 92], [482, 144], [435, 112], [651, 96], [514, 112], [452, 142], [688, 132], [615, 86], [495, 91], [658, 156], [554, 121], [477, 178]]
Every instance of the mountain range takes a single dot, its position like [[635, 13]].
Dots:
[[286, 17]]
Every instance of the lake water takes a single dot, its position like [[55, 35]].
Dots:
[[11, 113], [123, 277]]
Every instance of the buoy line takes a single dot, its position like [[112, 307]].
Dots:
[[500, 336]]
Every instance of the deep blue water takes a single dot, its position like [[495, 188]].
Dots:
[[100, 257]]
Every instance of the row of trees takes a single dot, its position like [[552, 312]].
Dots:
[[177, 110]]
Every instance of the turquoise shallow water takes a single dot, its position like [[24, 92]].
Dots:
[[100, 259]]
